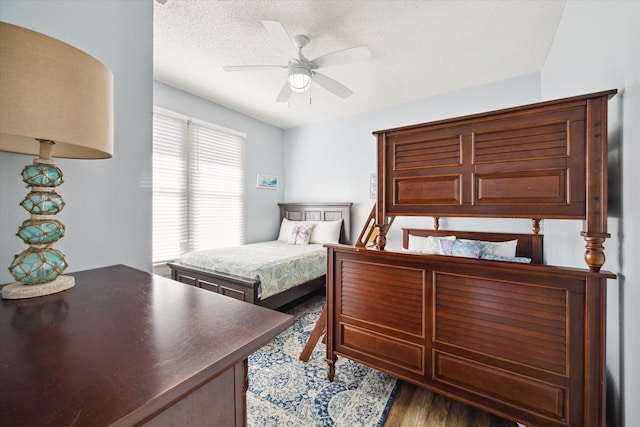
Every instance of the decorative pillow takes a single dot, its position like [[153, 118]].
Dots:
[[486, 248], [427, 245], [466, 248], [326, 231], [286, 227], [503, 249], [446, 246], [504, 258], [301, 234]]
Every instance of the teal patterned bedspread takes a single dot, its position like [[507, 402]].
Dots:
[[278, 265]]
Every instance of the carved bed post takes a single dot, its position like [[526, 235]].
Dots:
[[594, 254], [331, 372], [381, 238], [536, 226], [594, 227], [381, 226]]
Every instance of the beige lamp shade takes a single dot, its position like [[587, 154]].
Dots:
[[53, 91]]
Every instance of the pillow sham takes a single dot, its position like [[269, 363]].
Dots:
[[301, 234], [326, 231], [427, 245], [466, 248], [285, 228], [446, 246], [461, 248], [503, 249]]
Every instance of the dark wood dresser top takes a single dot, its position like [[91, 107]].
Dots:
[[119, 346]]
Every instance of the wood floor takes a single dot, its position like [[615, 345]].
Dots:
[[416, 407]]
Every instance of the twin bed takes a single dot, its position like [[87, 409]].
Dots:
[[275, 273], [456, 313]]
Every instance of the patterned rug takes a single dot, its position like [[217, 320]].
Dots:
[[284, 391]]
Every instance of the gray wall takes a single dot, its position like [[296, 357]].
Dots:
[[597, 47], [263, 155], [108, 211]]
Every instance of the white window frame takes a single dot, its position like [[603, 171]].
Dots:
[[191, 212]]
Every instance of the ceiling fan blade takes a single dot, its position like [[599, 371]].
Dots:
[[332, 85], [253, 67], [281, 38], [285, 93], [341, 57]]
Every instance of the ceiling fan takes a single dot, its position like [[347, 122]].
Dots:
[[302, 71]]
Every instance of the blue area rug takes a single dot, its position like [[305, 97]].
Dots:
[[284, 391]]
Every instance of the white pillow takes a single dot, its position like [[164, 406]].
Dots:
[[301, 234], [503, 249], [326, 231], [427, 245], [286, 227]]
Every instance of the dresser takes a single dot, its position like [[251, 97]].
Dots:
[[125, 347]]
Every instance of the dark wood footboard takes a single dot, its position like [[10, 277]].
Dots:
[[525, 342], [241, 288], [229, 285]]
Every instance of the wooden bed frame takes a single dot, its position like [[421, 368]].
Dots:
[[246, 289], [523, 341]]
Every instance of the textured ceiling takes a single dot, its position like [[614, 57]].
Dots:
[[418, 49]]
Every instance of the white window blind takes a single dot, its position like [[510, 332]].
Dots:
[[198, 186]]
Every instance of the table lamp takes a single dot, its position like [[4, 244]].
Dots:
[[55, 101]]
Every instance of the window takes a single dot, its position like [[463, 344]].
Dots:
[[198, 186]]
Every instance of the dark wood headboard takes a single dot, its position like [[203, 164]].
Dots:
[[320, 212], [539, 161]]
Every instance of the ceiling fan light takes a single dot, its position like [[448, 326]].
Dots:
[[300, 79]]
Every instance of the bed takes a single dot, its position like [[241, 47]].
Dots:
[[275, 273], [469, 314]]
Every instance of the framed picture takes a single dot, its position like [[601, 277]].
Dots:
[[267, 181]]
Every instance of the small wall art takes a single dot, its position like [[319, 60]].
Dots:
[[373, 186], [267, 181]]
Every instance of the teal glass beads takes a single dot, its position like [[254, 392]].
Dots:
[[42, 175], [40, 263], [41, 232], [34, 266], [43, 203]]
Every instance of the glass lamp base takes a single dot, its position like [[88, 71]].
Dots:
[[19, 290]]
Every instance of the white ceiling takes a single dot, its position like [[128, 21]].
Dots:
[[418, 49]]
